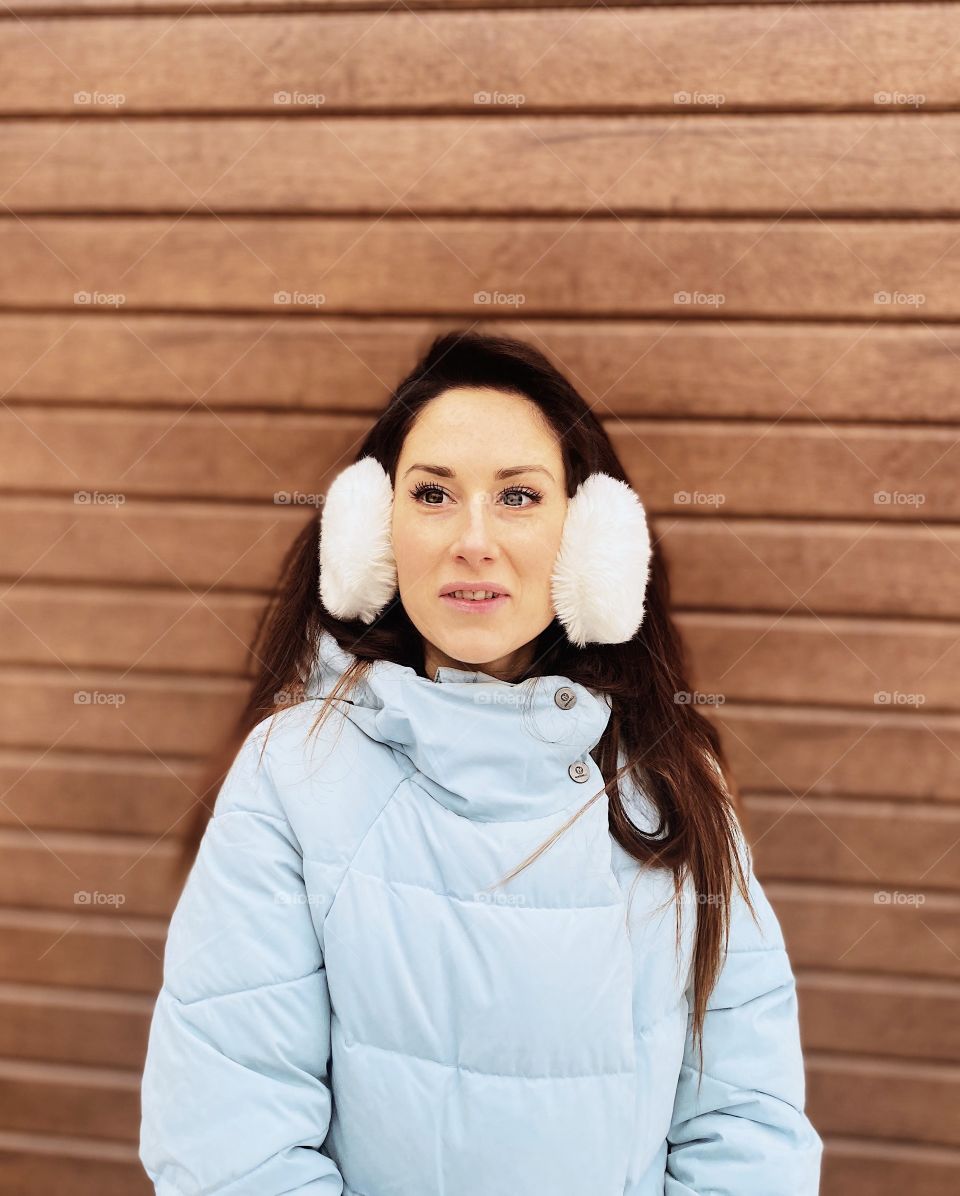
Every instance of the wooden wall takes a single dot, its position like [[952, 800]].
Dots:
[[157, 395]]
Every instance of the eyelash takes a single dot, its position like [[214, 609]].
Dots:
[[422, 487]]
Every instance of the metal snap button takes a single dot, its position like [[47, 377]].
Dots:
[[565, 697], [578, 771]]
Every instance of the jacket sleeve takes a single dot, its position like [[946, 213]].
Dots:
[[235, 1097], [746, 1133]]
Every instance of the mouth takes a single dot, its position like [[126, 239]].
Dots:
[[479, 600]]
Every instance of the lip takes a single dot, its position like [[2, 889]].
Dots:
[[471, 607], [499, 590], [484, 606]]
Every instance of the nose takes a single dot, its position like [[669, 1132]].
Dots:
[[475, 540]]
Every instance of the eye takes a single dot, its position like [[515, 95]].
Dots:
[[422, 488], [534, 495]]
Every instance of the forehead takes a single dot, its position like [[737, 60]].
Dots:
[[477, 429]]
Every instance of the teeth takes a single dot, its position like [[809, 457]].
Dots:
[[474, 595]]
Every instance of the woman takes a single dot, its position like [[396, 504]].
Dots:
[[475, 914]]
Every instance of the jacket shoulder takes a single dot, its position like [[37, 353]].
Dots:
[[327, 785]]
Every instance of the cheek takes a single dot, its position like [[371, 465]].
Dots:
[[415, 545], [537, 554]]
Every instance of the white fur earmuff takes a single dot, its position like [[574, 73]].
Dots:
[[598, 585], [358, 573], [601, 572]]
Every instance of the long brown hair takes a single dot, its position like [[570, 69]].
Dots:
[[672, 752]]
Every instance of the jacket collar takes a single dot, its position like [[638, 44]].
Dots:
[[487, 749]]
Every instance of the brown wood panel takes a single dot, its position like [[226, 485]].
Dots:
[[77, 1101], [463, 267], [835, 568], [730, 468], [879, 1015], [754, 56], [32, 1163], [842, 928], [879, 1098], [106, 712], [803, 658], [110, 876], [158, 544], [100, 1029], [887, 1169], [192, 633], [828, 164], [122, 794], [95, 951], [885, 844], [86, 7], [882, 754], [680, 368]]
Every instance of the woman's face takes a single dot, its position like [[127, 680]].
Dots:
[[456, 522]]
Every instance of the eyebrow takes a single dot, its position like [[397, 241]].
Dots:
[[444, 471]]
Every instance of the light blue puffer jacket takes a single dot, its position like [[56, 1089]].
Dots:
[[348, 1007]]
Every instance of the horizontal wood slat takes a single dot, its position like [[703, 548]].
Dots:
[[875, 1098], [99, 711], [885, 844], [729, 564], [888, 1168], [134, 795], [86, 7], [879, 1015], [463, 267], [840, 928], [81, 1102], [831, 569], [828, 752], [702, 164], [188, 633], [73, 1026], [731, 468], [93, 951], [801, 658], [683, 368], [32, 1163], [154, 544], [755, 56], [84, 874]]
